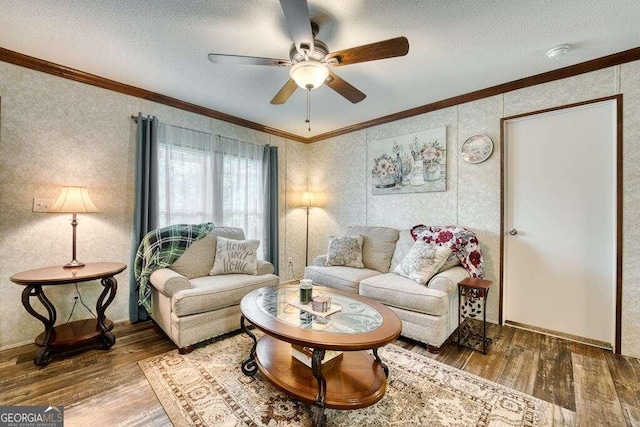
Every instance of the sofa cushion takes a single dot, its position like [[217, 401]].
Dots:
[[346, 251], [197, 259], [397, 291], [423, 261], [344, 278], [214, 292], [378, 246], [403, 246], [320, 260], [235, 257]]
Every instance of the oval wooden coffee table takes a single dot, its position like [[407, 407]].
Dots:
[[355, 380]]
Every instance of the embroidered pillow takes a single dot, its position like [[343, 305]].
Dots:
[[463, 242], [235, 257], [346, 251], [423, 261]]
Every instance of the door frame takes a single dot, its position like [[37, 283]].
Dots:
[[618, 213]]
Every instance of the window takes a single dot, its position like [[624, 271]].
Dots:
[[202, 179]]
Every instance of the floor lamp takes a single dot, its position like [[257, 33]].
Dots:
[[307, 202]]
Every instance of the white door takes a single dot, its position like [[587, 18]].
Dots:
[[560, 205]]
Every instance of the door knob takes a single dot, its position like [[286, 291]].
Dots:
[[513, 231]]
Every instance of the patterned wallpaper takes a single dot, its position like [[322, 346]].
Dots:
[[61, 132], [629, 77], [340, 169], [56, 132]]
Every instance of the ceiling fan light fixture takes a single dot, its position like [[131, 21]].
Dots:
[[309, 74]]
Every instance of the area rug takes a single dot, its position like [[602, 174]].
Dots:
[[207, 388]]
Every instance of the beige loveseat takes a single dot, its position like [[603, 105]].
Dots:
[[190, 305], [429, 313]]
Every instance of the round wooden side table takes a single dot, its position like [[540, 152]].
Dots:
[[72, 334]]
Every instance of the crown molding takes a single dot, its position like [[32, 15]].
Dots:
[[561, 73], [91, 79]]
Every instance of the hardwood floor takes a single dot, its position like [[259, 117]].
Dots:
[[108, 388]]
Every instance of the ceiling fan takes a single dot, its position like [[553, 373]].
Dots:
[[310, 61]]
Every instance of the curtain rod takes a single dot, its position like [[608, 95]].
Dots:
[[135, 120]]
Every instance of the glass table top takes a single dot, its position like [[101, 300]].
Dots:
[[353, 317]]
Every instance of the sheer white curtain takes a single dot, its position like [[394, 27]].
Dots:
[[239, 184], [185, 159], [211, 179]]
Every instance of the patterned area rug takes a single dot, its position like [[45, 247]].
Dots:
[[207, 388]]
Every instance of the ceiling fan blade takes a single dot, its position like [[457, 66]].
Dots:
[[343, 88], [287, 90], [296, 12], [217, 58], [370, 52]]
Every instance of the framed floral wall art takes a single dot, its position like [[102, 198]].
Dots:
[[412, 163]]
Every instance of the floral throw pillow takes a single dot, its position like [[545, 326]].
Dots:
[[422, 262], [463, 243], [235, 257], [346, 251]]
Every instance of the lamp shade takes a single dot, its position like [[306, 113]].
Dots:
[[309, 74], [73, 200], [307, 199]]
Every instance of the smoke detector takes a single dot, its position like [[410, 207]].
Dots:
[[559, 51]]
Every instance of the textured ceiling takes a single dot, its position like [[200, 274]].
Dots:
[[456, 47]]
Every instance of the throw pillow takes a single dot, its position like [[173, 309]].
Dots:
[[463, 242], [451, 262], [403, 246], [346, 251], [378, 245], [197, 260], [422, 262], [235, 256]]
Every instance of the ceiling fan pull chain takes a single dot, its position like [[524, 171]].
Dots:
[[308, 108]]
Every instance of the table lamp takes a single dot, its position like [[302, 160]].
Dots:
[[73, 200]]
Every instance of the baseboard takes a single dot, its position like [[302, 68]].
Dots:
[[14, 345], [563, 335]]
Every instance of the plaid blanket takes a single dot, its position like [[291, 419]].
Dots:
[[160, 248]]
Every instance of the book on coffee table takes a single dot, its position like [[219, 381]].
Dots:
[[304, 355]]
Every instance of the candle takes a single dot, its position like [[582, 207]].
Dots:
[[306, 289], [321, 303]]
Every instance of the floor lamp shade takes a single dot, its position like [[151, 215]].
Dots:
[[73, 200], [307, 199]]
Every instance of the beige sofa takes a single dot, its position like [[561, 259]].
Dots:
[[190, 305], [429, 313]]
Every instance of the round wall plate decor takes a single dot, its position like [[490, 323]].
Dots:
[[477, 149]]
